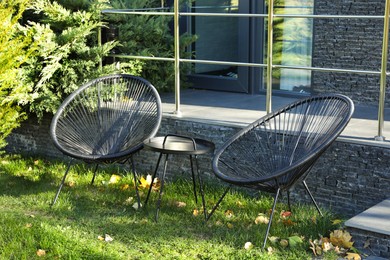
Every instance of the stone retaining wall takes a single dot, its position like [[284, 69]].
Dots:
[[348, 178]]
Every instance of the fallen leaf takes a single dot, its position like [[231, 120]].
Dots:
[[125, 187], [270, 250], [100, 238], [261, 219], [353, 256], [136, 206], [128, 201], [28, 225], [114, 179], [180, 204], [285, 214], [36, 162], [229, 213], [248, 246], [145, 183], [229, 225], [108, 238], [239, 204], [341, 238], [317, 250], [327, 246], [195, 212], [41, 252]]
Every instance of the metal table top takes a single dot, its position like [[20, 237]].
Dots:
[[177, 144]]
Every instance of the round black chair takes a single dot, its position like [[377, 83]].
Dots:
[[278, 150], [106, 121]]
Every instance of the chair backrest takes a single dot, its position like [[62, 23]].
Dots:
[[107, 119], [280, 148]]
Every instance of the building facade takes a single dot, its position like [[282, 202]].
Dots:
[[327, 43]]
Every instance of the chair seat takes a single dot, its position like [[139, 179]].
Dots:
[[107, 120]]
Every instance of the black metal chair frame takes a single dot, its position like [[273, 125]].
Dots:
[[278, 150], [106, 121]]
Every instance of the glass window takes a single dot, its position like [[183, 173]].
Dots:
[[292, 45]]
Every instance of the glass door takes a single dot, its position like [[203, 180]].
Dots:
[[292, 46], [220, 38], [243, 39]]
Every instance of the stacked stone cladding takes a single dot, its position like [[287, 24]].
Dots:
[[348, 43]]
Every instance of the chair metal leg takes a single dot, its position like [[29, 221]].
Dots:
[[201, 188], [135, 181], [218, 202], [153, 177], [94, 174], [312, 198], [288, 201], [193, 179], [270, 218], [161, 187], [62, 183]]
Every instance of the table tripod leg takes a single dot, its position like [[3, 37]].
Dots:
[[161, 187], [153, 177], [201, 188], [193, 179]]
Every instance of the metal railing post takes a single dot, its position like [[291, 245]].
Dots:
[[269, 55], [177, 58], [99, 36], [382, 93]]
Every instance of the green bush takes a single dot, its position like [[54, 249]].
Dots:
[[14, 51], [50, 48], [67, 53]]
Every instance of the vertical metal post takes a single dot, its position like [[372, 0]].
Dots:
[[382, 94], [100, 42], [177, 58], [269, 55]]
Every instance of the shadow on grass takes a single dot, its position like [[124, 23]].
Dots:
[[93, 211]]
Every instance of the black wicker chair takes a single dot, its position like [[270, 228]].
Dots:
[[277, 151], [106, 121]]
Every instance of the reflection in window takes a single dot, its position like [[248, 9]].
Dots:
[[292, 45]]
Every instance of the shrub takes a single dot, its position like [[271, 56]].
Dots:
[[13, 53], [68, 53]]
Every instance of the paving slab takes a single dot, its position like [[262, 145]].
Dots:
[[375, 219]]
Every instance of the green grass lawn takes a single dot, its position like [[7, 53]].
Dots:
[[100, 222]]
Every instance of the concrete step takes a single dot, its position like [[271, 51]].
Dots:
[[371, 230]]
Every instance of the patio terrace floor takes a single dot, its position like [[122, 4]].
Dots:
[[239, 109]]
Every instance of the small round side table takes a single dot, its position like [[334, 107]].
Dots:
[[182, 145]]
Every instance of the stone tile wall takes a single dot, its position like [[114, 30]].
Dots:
[[348, 178], [348, 44]]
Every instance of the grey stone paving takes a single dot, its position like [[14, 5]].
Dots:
[[240, 109], [375, 219]]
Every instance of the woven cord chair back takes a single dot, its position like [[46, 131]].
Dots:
[[278, 150], [107, 119]]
